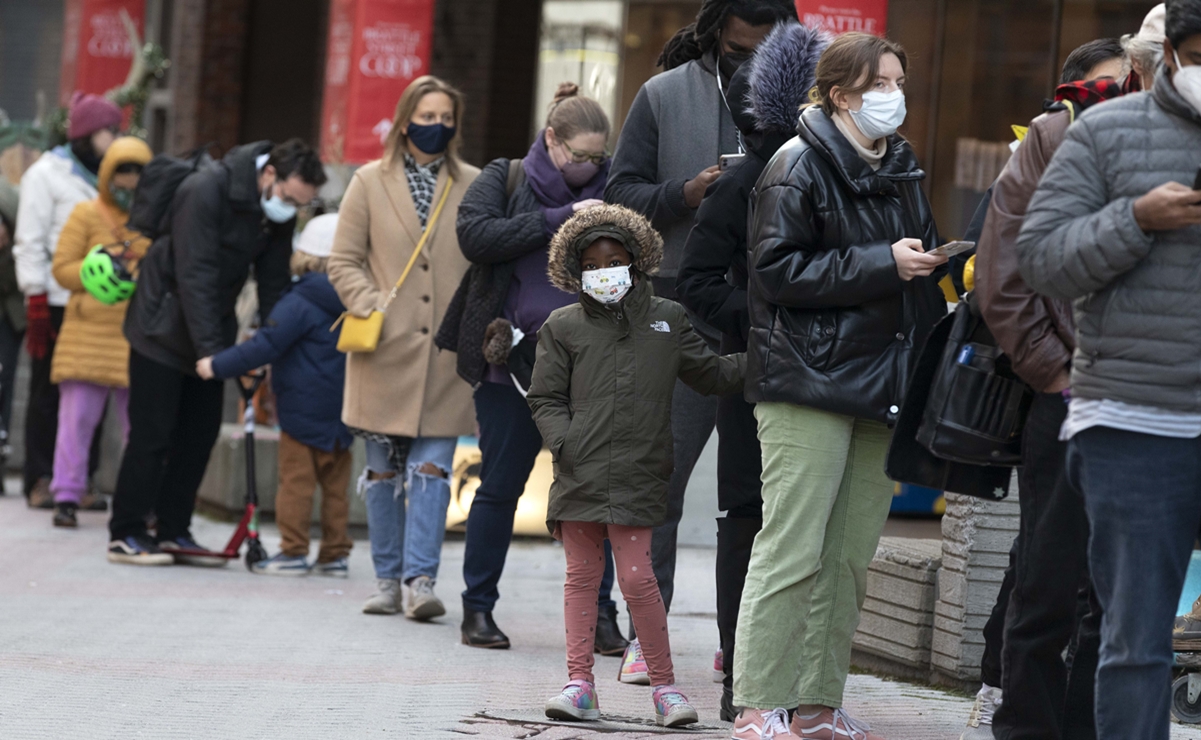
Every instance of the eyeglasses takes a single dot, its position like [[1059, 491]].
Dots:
[[580, 157]]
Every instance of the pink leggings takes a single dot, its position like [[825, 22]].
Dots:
[[584, 543]]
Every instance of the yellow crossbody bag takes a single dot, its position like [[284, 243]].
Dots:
[[362, 335]]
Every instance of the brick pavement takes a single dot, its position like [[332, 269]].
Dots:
[[94, 650]]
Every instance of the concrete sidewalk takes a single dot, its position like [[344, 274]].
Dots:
[[94, 650]]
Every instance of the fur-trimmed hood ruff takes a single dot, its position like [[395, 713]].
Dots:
[[782, 73], [616, 222]]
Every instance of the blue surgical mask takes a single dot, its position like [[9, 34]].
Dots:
[[431, 139], [275, 209]]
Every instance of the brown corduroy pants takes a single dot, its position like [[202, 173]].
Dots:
[[301, 468]]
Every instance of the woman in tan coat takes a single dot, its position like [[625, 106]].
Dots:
[[91, 358], [405, 398]]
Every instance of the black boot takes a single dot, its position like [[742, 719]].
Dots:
[[608, 635], [480, 631], [734, 540], [64, 514]]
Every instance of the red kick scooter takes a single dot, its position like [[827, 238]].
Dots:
[[248, 527]]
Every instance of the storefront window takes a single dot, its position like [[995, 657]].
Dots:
[[581, 43]]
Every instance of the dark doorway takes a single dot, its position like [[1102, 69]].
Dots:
[[285, 56]]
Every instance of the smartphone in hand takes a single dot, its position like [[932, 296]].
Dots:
[[950, 249], [726, 161], [1197, 180]]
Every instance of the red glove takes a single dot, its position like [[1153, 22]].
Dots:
[[39, 332]]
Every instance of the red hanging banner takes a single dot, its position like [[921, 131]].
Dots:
[[375, 49], [841, 16], [97, 49]]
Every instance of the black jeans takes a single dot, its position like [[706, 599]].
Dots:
[[1049, 571], [41, 414], [10, 349], [509, 444], [174, 420], [994, 628]]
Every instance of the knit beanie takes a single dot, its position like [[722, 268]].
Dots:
[[317, 238], [91, 113]]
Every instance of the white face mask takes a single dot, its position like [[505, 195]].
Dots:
[[1187, 81], [276, 209], [881, 114], [609, 285]]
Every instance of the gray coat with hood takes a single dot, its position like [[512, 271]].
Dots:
[[1137, 296], [678, 125]]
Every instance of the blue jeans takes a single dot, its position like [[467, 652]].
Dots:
[[406, 546], [509, 444], [1143, 497]]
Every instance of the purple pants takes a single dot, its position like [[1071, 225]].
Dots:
[[80, 410]]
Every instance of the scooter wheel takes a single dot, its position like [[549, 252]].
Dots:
[[1182, 709], [254, 554]]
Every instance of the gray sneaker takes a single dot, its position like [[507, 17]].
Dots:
[[387, 601], [422, 604], [979, 722]]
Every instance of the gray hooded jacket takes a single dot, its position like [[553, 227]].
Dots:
[[1137, 299]]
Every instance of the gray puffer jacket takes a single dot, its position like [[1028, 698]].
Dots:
[[1136, 296]]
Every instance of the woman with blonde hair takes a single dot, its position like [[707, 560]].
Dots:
[[404, 398], [505, 227]]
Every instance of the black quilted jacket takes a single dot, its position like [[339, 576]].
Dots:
[[494, 231], [833, 326]]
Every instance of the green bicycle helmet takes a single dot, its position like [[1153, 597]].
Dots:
[[106, 277]]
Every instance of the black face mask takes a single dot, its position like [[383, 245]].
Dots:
[[729, 62], [82, 149]]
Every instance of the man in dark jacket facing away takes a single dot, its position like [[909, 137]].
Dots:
[[1115, 227], [1041, 697], [678, 127], [712, 284], [234, 215]]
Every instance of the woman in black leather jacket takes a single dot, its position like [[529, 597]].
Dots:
[[841, 296]]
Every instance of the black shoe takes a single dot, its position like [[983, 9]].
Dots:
[[138, 549], [734, 540], [64, 515], [480, 631], [609, 640]]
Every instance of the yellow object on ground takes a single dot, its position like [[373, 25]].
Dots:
[[531, 507]]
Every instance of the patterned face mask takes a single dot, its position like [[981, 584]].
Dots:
[[609, 285]]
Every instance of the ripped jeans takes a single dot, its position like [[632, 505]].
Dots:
[[405, 545]]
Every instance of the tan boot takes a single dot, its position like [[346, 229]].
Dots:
[[40, 497]]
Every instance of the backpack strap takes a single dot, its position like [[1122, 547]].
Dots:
[[516, 177]]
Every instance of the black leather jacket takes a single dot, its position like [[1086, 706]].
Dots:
[[833, 326]]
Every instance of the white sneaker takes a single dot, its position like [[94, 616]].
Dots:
[[387, 600], [979, 722], [422, 603]]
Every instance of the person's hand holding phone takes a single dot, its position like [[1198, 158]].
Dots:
[[1168, 207], [694, 189], [912, 260]]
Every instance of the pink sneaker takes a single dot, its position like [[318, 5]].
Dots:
[[719, 667], [831, 724], [633, 666], [672, 708], [577, 701], [762, 724]]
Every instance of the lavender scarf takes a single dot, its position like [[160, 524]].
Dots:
[[552, 190]]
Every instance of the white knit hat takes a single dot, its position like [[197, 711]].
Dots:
[[1152, 29], [317, 238]]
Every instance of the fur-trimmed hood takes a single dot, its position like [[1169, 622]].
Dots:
[[782, 73], [617, 222]]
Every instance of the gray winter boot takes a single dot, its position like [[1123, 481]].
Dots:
[[387, 601]]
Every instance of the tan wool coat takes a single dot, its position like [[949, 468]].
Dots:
[[407, 387]]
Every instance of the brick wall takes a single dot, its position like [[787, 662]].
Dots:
[[218, 112], [489, 50]]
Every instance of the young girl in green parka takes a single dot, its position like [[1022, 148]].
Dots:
[[601, 394]]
